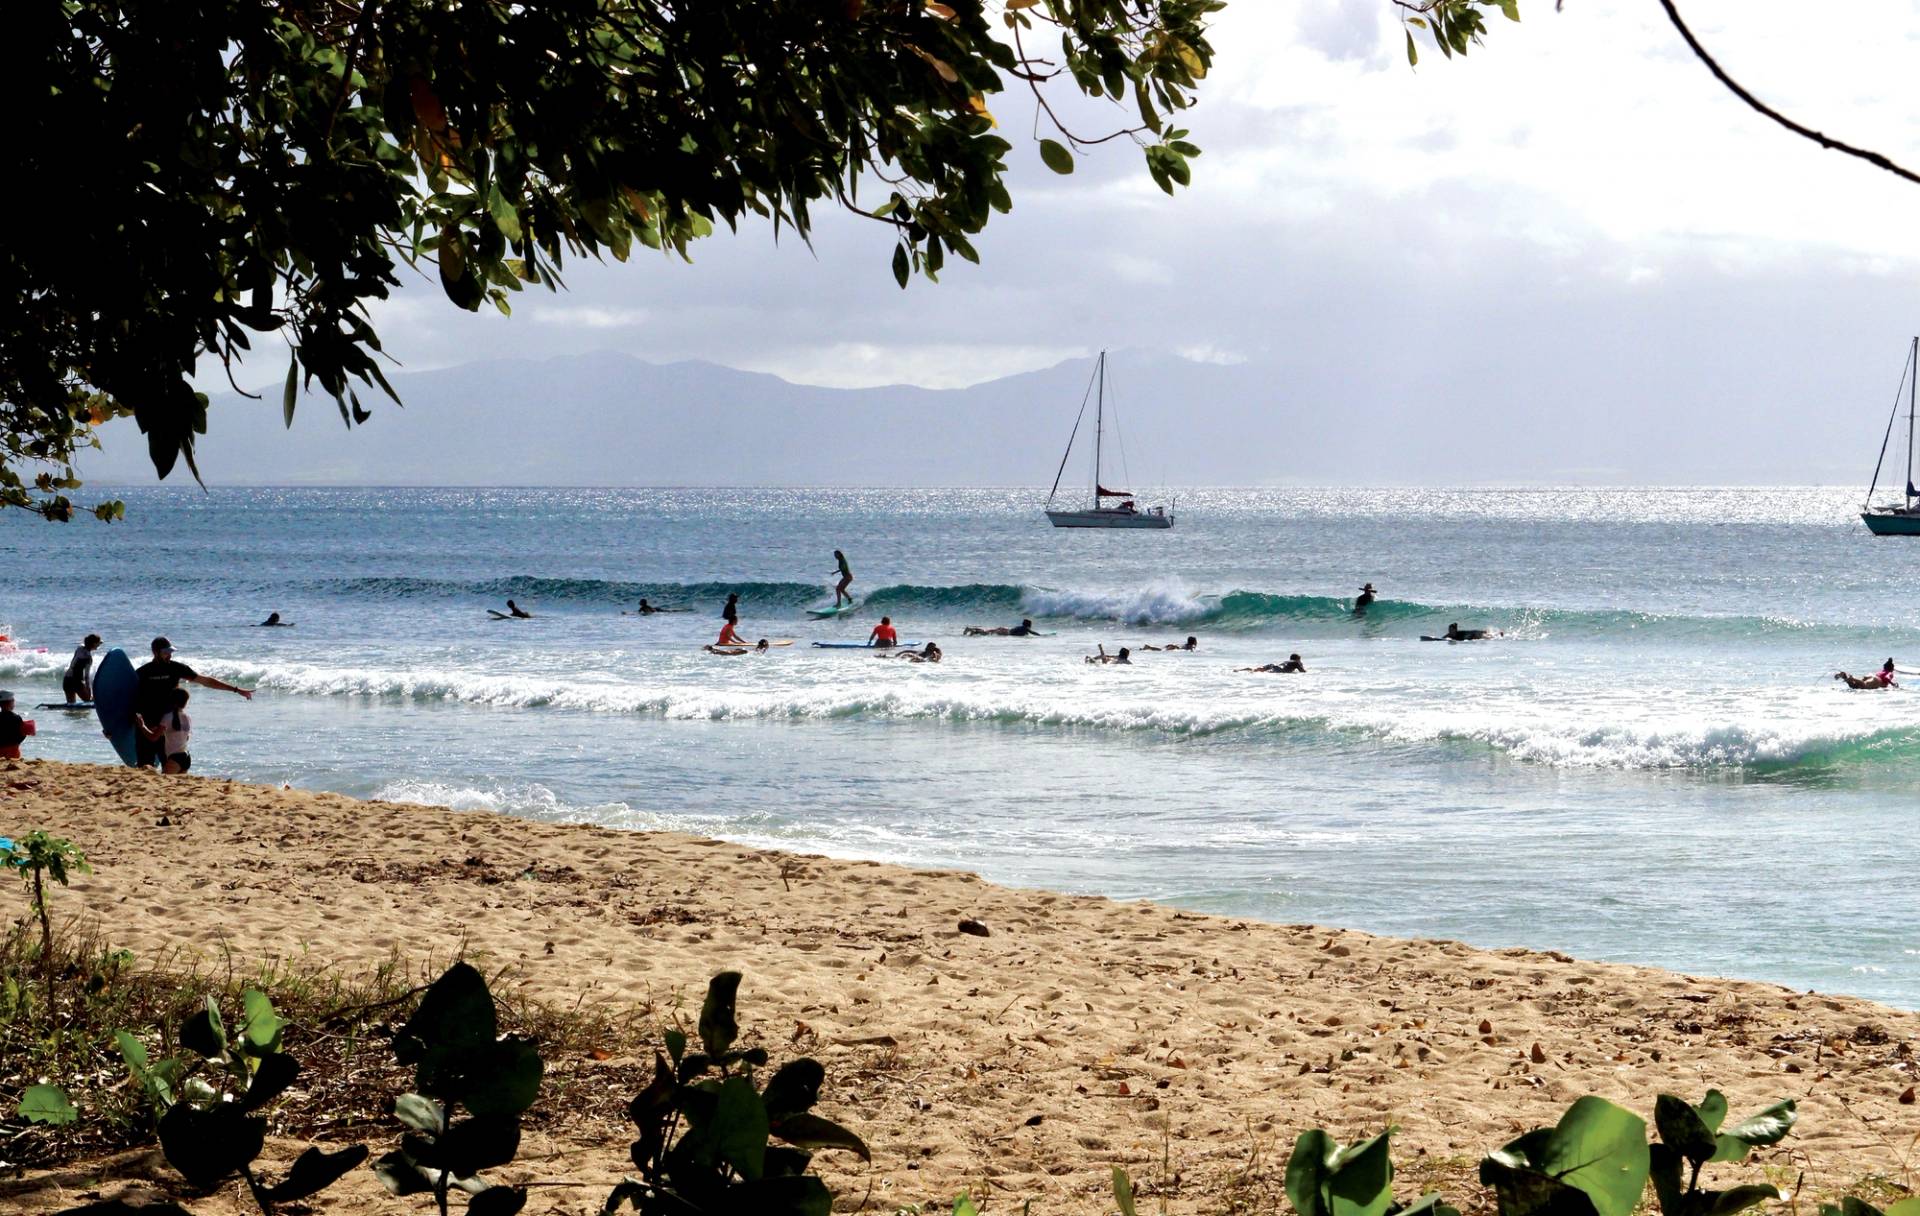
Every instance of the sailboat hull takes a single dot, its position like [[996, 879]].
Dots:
[[1891, 523], [1108, 519]]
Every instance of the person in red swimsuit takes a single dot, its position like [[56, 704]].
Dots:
[[884, 634], [1879, 679]]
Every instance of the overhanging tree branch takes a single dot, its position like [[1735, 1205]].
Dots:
[[1733, 86]]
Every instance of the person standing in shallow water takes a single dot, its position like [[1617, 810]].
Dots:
[[153, 696], [77, 683]]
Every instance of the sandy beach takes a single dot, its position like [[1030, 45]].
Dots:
[[1078, 1034]]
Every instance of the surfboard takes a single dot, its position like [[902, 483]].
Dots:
[[864, 646], [76, 707], [840, 610], [114, 685]]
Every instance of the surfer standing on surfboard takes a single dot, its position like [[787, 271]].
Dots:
[[840, 591]]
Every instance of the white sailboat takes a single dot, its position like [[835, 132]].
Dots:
[[1098, 514], [1902, 518]]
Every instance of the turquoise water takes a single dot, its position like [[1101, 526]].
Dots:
[[1653, 764]]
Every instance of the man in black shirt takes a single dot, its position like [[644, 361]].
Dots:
[[152, 697]]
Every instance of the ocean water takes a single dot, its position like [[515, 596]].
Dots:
[[1652, 765]]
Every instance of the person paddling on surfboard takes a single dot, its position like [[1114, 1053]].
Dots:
[[1293, 666], [1024, 629], [273, 621], [1880, 679], [153, 696], [78, 682], [840, 591]]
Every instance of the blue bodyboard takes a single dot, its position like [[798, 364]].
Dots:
[[865, 646], [114, 685]]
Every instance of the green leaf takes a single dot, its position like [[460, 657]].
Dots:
[[1511, 8], [963, 1202], [261, 1032], [47, 1104], [1413, 60], [814, 1132], [718, 1028], [314, 1171], [502, 1078], [420, 1113], [1597, 1149], [1906, 1207], [1056, 156], [676, 1044], [1122, 1192], [400, 1175], [1713, 1110], [794, 1089], [498, 1201], [271, 1079], [1682, 1129], [210, 1146], [479, 1143], [1770, 1126], [1324, 1179], [902, 268], [203, 1034], [1738, 1199], [740, 1126], [293, 387]]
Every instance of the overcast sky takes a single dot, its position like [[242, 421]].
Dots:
[[1576, 211]]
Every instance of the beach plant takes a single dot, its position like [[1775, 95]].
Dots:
[[1690, 1138], [38, 858], [1594, 1162], [1860, 1207], [706, 1127], [461, 1063], [1326, 1178], [47, 1104], [210, 1122]]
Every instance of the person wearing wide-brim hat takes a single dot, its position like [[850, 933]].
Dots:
[[1366, 597]]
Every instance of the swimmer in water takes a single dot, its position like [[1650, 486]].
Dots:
[[1192, 643], [273, 621], [1103, 657], [1456, 634]]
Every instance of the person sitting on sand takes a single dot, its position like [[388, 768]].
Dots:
[[1024, 629], [884, 636], [1880, 679], [729, 636], [1456, 634], [1361, 604], [1192, 643], [172, 732], [930, 653], [273, 621], [1293, 666], [1103, 657], [13, 728]]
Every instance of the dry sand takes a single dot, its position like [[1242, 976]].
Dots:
[[1082, 1033]]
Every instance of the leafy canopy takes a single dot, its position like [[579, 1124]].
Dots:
[[195, 175]]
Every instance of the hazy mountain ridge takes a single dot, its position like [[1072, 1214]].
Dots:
[[611, 419]]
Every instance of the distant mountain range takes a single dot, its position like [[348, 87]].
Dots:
[[610, 419]]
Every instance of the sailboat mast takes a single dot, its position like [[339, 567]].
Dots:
[[1100, 417], [1913, 384]]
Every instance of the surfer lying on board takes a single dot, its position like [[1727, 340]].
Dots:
[[1104, 657], [1456, 634], [514, 612], [736, 651], [930, 653], [884, 635], [646, 609], [1880, 679], [1024, 629], [273, 621], [1293, 666], [1192, 643]]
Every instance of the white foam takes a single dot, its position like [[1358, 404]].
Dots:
[[1162, 602]]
